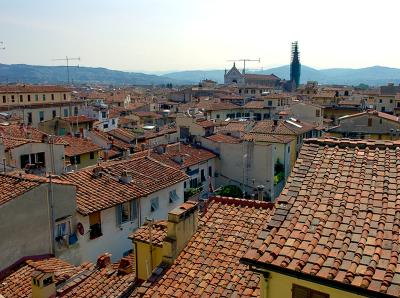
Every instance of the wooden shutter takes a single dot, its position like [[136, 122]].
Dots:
[[134, 210], [303, 292], [118, 213]]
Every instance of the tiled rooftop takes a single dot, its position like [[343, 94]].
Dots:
[[95, 193], [12, 187], [158, 233], [209, 265], [78, 146], [181, 156], [32, 88], [79, 119], [221, 138], [268, 138], [338, 217], [282, 127], [86, 280]]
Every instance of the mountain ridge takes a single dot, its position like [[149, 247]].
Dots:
[[23, 73]]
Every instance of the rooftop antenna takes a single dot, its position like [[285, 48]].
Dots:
[[67, 59], [2, 46], [244, 62]]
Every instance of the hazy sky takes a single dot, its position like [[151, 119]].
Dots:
[[157, 35]]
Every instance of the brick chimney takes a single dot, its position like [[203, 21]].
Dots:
[[43, 284], [182, 224], [104, 260]]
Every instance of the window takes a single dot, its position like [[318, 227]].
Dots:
[[202, 176], [12, 98], [91, 155], [113, 121], [173, 197], [184, 184], [95, 225], [369, 121], [105, 125], [4, 99], [65, 96], [62, 229], [29, 97], [29, 117], [65, 112], [210, 171], [380, 121], [41, 115], [52, 97], [270, 103], [154, 204], [36, 97], [76, 111], [103, 115], [303, 292], [21, 98], [126, 212], [193, 183], [217, 116], [75, 160], [317, 113], [44, 97], [62, 131], [54, 113]]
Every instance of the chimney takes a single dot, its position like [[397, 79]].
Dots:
[[182, 224], [260, 192], [43, 284], [96, 173], [104, 260], [126, 177], [125, 266], [275, 122]]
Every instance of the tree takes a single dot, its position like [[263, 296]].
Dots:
[[230, 191]]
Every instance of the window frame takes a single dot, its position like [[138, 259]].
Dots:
[[154, 204]]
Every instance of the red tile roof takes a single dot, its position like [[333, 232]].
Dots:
[[21, 132], [261, 77], [32, 88], [158, 233], [182, 156], [338, 217], [79, 119], [86, 280], [117, 143], [268, 138], [12, 187], [10, 142], [105, 191], [205, 123], [283, 127], [77, 146], [209, 264], [221, 138], [374, 113], [210, 105], [255, 104]]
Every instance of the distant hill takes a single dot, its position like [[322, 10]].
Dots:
[[374, 76], [22, 73]]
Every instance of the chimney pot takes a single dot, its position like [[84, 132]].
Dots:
[[104, 260]]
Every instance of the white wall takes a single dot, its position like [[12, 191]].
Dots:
[[115, 238]]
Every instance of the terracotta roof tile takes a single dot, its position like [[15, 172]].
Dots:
[[32, 88], [77, 146], [221, 138], [158, 233], [79, 119], [12, 187], [338, 216], [284, 127], [95, 193], [180, 156], [209, 264], [269, 138]]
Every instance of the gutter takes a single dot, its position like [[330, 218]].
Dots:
[[260, 268]]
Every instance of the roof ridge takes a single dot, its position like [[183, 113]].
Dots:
[[352, 143], [242, 202]]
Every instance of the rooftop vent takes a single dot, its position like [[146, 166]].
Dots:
[[125, 178]]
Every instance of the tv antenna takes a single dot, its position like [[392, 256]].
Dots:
[[67, 59], [244, 62], [2, 46]]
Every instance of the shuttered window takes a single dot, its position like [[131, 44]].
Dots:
[[303, 292]]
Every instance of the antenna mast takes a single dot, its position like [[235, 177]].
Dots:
[[67, 59], [244, 62]]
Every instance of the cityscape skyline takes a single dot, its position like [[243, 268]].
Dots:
[[156, 36]]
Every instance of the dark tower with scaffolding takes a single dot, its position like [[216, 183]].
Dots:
[[295, 65]]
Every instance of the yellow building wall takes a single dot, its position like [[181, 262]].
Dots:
[[86, 161], [280, 286], [15, 98], [144, 264], [370, 136]]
